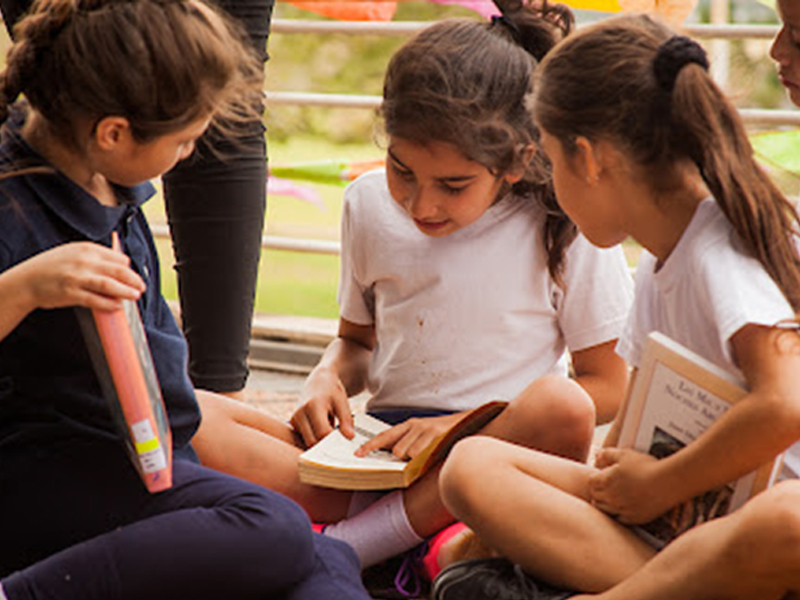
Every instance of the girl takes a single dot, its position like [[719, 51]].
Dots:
[[461, 282], [643, 143], [216, 203], [118, 92]]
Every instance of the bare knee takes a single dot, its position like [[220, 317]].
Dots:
[[553, 414], [776, 511], [767, 533], [215, 407], [460, 482], [216, 415]]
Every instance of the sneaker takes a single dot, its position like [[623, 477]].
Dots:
[[491, 579], [430, 562], [399, 578]]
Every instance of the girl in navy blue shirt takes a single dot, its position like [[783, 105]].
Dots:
[[117, 93]]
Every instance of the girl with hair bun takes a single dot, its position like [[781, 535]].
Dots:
[[462, 281], [642, 143]]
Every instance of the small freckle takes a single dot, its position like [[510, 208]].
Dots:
[[420, 322]]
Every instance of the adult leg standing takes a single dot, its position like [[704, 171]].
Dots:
[[216, 203]]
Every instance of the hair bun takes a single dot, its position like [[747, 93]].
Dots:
[[509, 25], [672, 56]]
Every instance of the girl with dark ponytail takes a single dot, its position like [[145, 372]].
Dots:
[[644, 144]]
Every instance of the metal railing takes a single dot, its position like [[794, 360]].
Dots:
[[751, 116], [275, 242], [402, 28]]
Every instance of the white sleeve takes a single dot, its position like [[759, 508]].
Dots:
[[739, 291], [630, 345], [597, 294], [354, 296]]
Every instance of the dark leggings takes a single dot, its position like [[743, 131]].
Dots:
[[215, 206], [210, 536]]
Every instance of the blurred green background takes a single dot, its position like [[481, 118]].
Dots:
[[292, 283]]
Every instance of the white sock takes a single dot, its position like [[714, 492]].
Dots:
[[2, 593], [359, 502], [379, 532]]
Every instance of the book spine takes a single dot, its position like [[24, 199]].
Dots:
[[125, 367]]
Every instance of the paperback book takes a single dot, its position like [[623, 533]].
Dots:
[[676, 396]]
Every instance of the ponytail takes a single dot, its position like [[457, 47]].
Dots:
[[651, 94], [713, 136], [536, 29], [20, 63]]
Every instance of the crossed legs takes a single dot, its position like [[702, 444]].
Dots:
[[553, 414], [532, 508]]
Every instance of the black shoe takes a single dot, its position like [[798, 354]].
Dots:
[[491, 579]]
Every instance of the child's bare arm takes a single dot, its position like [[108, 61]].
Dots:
[[75, 274], [341, 373], [603, 374], [754, 431], [612, 437]]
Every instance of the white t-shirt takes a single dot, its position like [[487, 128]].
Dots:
[[474, 315], [706, 291]]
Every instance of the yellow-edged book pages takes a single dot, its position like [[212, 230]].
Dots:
[[676, 396], [332, 462]]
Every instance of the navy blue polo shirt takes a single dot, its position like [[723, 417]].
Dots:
[[49, 392]]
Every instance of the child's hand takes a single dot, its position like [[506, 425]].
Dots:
[[410, 437], [81, 274], [626, 486], [323, 401]]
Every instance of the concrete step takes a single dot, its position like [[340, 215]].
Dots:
[[285, 343], [288, 343]]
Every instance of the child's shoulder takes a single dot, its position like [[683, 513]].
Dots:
[[368, 192], [370, 181], [710, 235], [708, 232]]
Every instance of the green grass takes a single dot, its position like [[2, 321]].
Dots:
[[290, 283]]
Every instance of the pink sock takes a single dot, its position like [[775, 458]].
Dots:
[[430, 562]]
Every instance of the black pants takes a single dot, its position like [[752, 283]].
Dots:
[[216, 208], [216, 204], [212, 536]]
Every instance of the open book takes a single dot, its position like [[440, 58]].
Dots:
[[121, 358], [332, 463], [676, 396]]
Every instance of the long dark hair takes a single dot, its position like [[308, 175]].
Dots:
[[602, 83], [161, 64], [465, 83]]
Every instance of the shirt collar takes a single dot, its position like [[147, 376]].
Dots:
[[71, 203]]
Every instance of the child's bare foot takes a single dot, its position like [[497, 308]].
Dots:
[[463, 546]]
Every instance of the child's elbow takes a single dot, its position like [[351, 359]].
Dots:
[[787, 413]]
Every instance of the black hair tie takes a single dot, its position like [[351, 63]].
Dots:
[[508, 24], [672, 56]]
